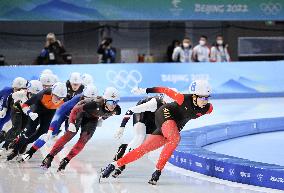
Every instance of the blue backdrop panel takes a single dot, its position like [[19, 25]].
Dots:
[[237, 79]]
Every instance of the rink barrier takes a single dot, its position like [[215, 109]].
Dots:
[[234, 80], [191, 155]]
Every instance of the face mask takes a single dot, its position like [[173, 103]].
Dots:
[[219, 42], [186, 45], [202, 42]]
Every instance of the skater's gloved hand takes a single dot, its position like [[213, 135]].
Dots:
[[3, 113], [138, 91], [33, 116], [119, 133], [20, 95], [72, 128], [100, 122]]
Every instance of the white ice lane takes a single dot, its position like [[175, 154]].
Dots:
[[81, 175]]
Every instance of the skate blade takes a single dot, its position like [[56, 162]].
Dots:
[[152, 182], [60, 171], [43, 167], [21, 161], [101, 173], [100, 179], [115, 175]]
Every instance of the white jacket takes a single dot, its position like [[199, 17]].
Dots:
[[184, 54], [202, 53], [219, 55]]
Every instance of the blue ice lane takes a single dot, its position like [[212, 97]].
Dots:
[[265, 148]]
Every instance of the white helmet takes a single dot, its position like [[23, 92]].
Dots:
[[87, 79], [47, 71], [19, 82], [59, 89], [90, 91], [48, 79], [200, 87], [168, 99], [34, 86], [111, 93], [75, 78], [56, 79]]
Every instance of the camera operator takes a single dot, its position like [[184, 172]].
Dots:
[[52, 52], [106, 52]]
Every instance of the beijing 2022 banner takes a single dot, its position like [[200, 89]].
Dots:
[[236, 78], [96, 10]]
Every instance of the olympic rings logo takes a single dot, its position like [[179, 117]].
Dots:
[[271, 8], [123, 79]]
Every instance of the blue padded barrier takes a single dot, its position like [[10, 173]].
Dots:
[[191, 156]]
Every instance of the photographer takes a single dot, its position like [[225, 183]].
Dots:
[[106, 51], [52, 52]]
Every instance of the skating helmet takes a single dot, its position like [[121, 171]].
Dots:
[[111, 93], [55, 77], [200, 87], [48, 79], [46, 71], [19, 82], [90, 91], [75, 78], [87, 79], [59, 89], [34, 86]]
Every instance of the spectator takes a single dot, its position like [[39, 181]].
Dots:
[[52, 52], [171, 48], [219, 51], [106, 52], [183, 53], [2, 60], [201, 52]]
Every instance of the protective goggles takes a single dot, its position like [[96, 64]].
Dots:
[[112, 102], [60, 98], [18, 89], [203, 98]]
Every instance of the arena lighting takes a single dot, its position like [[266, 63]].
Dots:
[[269, 23]]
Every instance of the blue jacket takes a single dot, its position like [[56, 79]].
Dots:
[[63, 113]]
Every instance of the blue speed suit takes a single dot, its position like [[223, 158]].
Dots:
[[4, 94]]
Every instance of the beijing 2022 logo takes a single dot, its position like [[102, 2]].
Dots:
[[270, 8], [122, 79]]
